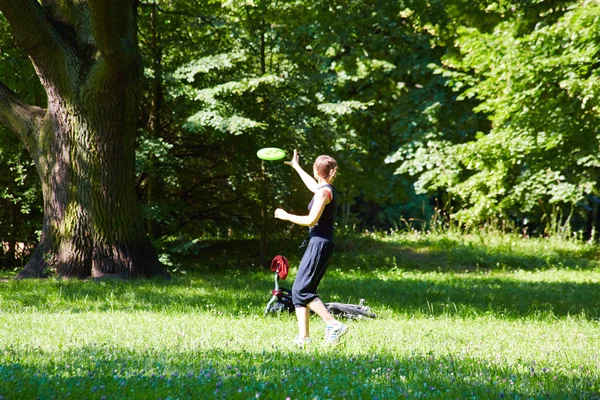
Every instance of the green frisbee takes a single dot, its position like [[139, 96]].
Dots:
[[270, 154]]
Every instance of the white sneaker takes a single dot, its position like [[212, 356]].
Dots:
[[335, 331], [302, 342]]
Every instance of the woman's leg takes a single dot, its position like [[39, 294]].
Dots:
[[319, 308], [310, 272], [302, 292], [303, 315], [334, 329]]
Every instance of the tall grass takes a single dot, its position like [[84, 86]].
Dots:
[[482, 316]]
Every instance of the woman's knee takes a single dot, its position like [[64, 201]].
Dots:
[[297, 297], [302, 296]]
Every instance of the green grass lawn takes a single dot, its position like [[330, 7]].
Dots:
[[458, 317]]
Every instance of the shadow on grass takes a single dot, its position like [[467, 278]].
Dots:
[[246, 293], [223, 279], [108, 372], [426, 254], [469, 297], [444, 254], [445, 293]]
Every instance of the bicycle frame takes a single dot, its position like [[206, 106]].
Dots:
[[283, 295], [281, 300]]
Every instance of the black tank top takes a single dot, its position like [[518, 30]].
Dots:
[[324, 226]]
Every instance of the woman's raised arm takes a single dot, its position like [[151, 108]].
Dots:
[[308, 180]]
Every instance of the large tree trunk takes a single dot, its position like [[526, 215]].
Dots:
[[83, 144], [86, 165]]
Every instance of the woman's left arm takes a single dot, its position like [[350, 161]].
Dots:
[[320, 201]]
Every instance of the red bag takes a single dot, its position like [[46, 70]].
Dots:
[[281, 266]]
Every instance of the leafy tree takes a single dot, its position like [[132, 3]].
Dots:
[[349, 79], [200, 174], [537, 84], [20, 202], [83, 141], [310, 75]]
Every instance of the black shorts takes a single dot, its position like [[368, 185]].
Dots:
[[311, 270]]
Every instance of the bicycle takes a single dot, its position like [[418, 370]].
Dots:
[[281, 298]]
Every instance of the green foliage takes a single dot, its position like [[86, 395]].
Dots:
[[206, 64], [20, 196], [185, 174], [485, 109], [301, 75], [537, 88]]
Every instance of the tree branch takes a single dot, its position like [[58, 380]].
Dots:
[[34, 32], [114, 28], [22, 119], [72, 21]]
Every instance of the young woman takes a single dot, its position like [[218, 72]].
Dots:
[[322, 210]]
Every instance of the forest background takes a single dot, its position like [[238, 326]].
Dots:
[[464, 113]]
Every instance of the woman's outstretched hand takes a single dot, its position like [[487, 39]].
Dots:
[[295, 163], [281, 214]]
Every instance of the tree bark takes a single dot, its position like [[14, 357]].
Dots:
[[84, 145]]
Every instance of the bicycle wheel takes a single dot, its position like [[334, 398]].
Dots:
[[351, 311]]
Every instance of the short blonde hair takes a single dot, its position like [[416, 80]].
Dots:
[[326, 167]]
